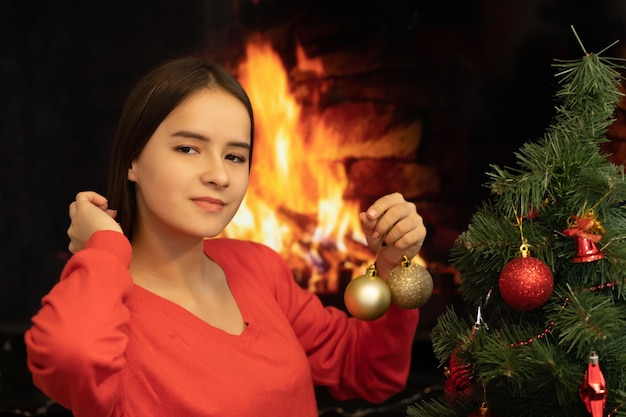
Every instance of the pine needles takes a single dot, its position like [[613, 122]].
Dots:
[[530, 363]]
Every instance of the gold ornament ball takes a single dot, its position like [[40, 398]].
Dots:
[[367, 297], [411, 285]]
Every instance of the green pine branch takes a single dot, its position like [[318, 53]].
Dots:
[[531, 363]]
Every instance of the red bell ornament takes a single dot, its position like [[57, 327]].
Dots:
[[584, 229], [592, 390], [587, 251]]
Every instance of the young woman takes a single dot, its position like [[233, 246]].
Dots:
[[150, 318]]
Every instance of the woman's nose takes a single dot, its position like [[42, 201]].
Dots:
[[215, 173]]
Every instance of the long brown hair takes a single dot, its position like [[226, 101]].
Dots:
[[151, 100]]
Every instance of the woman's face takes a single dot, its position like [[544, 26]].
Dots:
[[192, 175]]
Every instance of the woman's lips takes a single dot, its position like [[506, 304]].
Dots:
[[209, 204]]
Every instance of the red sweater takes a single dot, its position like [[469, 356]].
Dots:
[[103, 346]]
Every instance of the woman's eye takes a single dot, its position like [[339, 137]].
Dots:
[[186, 149], [235, 158]]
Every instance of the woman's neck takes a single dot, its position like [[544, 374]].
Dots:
[[167, 262]]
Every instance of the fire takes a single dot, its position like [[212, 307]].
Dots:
[[295, 201]]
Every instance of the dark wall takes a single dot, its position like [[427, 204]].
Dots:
[[67, 66]]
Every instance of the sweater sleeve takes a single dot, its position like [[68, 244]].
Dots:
[[76, 344], [354, 358]]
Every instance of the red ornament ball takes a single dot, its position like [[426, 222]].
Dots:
[[526, 283]]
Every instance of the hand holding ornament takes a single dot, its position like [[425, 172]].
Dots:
[[395, 220], [395, 232]]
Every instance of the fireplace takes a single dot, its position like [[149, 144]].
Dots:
[[318, 161], [315, 169]]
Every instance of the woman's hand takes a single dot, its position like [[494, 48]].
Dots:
[[89, 213], [396, 220]]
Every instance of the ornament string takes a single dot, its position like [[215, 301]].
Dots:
[[519, 224], [382, 243], [604, 197], [586, 223], [484, 407]]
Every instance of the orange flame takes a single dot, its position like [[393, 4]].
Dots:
[[295, 202]]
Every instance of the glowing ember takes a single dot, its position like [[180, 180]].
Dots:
[[295, 202]]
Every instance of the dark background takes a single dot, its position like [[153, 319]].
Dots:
[[66, 67]]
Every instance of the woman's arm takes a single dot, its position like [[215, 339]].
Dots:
[[354, 358], [76, 345]]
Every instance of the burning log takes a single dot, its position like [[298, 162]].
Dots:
[[376, 177]]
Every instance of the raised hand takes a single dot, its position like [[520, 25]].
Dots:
[[89, 213], [396, 220]]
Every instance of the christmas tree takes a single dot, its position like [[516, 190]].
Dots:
[[543, 267]]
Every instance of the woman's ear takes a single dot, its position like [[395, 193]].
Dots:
[[132, 176]]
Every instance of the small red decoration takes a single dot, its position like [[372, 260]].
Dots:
[[587, 251], [583, 230], [452, 395], [459, 379], [526, 283], [460, 373], [592, 390]]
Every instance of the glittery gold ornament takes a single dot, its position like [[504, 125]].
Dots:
[[367, 297], [411, 285]]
